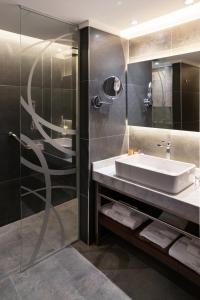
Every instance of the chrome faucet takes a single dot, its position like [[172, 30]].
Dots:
[[167, 146]]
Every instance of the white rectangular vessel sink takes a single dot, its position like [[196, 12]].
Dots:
[[159, 173]]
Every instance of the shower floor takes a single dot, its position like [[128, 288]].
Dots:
[[18, 239]]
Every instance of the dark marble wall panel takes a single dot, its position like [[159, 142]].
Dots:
[[102, 131], [9, 61], [10, 201], [185, 97], [9, 108], [10, 158]]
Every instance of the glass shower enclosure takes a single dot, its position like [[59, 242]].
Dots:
[[49, 70], [38, 99]]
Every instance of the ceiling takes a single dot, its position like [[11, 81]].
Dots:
[[116, 14]]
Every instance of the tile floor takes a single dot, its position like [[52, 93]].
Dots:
[[137, 274], [66, 275]]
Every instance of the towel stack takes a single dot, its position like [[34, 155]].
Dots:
[[160, 234], [123, 215], [187, 251]]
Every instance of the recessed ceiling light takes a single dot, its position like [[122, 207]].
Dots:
[[188, 2], [134, 22], [119, 3]]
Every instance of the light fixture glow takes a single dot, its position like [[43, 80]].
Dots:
[[27, 43], [134, 22], [156, 63], [188, 2], [175, 18]]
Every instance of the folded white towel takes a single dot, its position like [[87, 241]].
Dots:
[[179, 250], [133, 221], [159, 234], [194, 247], [122, 209], [105, 209]]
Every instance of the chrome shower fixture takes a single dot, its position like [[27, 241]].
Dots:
[[148, 101]]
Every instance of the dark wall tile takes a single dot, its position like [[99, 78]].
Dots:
[[10, 204], [10, 61], [58, 71], [84, 110], [84, 167], [62, 105], [176, 76], [84, 54], [83, 229], [31, 204], [10, 158], [106, 147], [46, 64], [92, 207], [27, 61], [109, 119], [27, 125], [47, 101], [107, 55], [10, 109], [176, 107], [190, 78]]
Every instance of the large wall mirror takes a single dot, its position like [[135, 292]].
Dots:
[[164, 93]]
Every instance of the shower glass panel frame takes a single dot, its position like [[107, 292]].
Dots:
[[48, 136]]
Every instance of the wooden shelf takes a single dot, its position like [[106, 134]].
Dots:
[[132, 236]]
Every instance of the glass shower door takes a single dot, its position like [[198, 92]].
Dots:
[[49, 205]]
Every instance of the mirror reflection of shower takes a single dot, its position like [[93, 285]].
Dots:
[[162, 77], [148, 101]]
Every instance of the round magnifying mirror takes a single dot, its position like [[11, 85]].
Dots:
[[112, 86]]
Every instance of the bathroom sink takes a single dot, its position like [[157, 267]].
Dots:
[[159, 173]]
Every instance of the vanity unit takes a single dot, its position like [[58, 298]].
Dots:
[[115, 183]]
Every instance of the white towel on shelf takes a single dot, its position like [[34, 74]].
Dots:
[[122, 209], [106, 208], [194, 247], [133, 221], [162, 235], [159, 234], [179, 251]]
